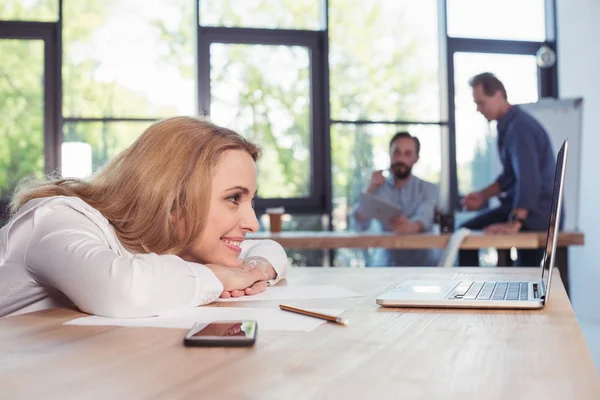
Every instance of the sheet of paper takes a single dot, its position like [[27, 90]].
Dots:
[[375, 207], [268, 319], [298, 292]]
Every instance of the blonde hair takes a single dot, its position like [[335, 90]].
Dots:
[[165, 174]]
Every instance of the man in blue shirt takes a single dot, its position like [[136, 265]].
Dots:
[[525, 185], [416, 197]]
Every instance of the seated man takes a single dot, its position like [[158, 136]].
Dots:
[[416, 197]]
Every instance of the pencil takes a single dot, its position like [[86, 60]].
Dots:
[[330, 318]]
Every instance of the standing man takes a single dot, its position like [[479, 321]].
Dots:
[[416, 197], [525, 184]]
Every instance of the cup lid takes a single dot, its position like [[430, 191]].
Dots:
[[275, 210]]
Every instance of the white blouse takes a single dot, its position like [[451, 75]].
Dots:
[[61, 246]]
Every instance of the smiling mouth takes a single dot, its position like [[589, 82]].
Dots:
[[233, 245]]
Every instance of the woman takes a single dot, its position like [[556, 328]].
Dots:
[[160, 228]]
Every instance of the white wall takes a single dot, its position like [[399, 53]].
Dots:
[[578, 25]]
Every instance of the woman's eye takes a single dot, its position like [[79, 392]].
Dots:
[[235, 198], [253, 201]]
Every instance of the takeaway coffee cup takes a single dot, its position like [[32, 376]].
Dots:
[[275, 214]]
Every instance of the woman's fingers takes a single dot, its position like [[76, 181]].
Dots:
[[237, 293], [258, 287]]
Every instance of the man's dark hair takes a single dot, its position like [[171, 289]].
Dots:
[[407, 135], [489, 83]]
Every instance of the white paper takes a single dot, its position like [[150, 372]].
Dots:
[[375, 207], [268, 319], [297, 292]]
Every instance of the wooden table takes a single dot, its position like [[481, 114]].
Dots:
[[383, 353], [477, 240]]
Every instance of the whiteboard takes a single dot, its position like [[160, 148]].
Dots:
[[562, 119]]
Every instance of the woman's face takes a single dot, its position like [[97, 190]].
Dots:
[[231, 213]]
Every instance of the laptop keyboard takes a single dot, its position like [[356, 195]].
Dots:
[[490, 291]]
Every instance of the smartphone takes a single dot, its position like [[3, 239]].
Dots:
[[222, 334]]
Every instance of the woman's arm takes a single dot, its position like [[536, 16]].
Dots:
[[69, 252]]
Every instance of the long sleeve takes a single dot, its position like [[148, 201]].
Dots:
[[360, 225], [525, 161], [504, 179], [69, 252], [425, 212], [269, 250]]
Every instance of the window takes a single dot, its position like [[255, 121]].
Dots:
[[263, 92], [274, 14], [476, 150], [506, 19], [22, 116], [29, 10], [384, 60], [321, 97], [87, 146], [128, 59], [126, 63]]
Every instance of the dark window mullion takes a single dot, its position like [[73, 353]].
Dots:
[[399, 122], [315, 42]]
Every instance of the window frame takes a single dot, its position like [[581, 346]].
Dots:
[[321, 199], [315, 42], [49, 33]]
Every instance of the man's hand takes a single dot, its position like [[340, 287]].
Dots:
[[377, 180], [504, 228], [474, 201], [360, 216], [402, 226]]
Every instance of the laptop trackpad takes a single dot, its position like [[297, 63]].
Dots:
[[424, 289]]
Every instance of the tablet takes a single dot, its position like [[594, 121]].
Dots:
[[374, 207]]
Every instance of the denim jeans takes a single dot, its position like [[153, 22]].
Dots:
[[470, 258]]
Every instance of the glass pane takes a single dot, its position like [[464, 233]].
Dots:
[[384, 60], [477, 158], [29, 10], [128, 58], [263, 92], [358, 150], [490, 19], [22, 115], [301, 257], [282, 14], [87, 146]]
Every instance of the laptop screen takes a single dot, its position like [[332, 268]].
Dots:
[[554, 220]]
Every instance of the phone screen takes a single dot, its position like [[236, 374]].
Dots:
[[224, 329]]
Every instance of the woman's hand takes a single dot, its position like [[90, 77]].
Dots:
[[262, 265], [243, 278], [256, 288]]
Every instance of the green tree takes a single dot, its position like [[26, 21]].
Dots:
[[22, 105]]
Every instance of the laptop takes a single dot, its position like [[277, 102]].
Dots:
[[473, 294]]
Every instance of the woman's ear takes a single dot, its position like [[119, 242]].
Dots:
[[179, 225]]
